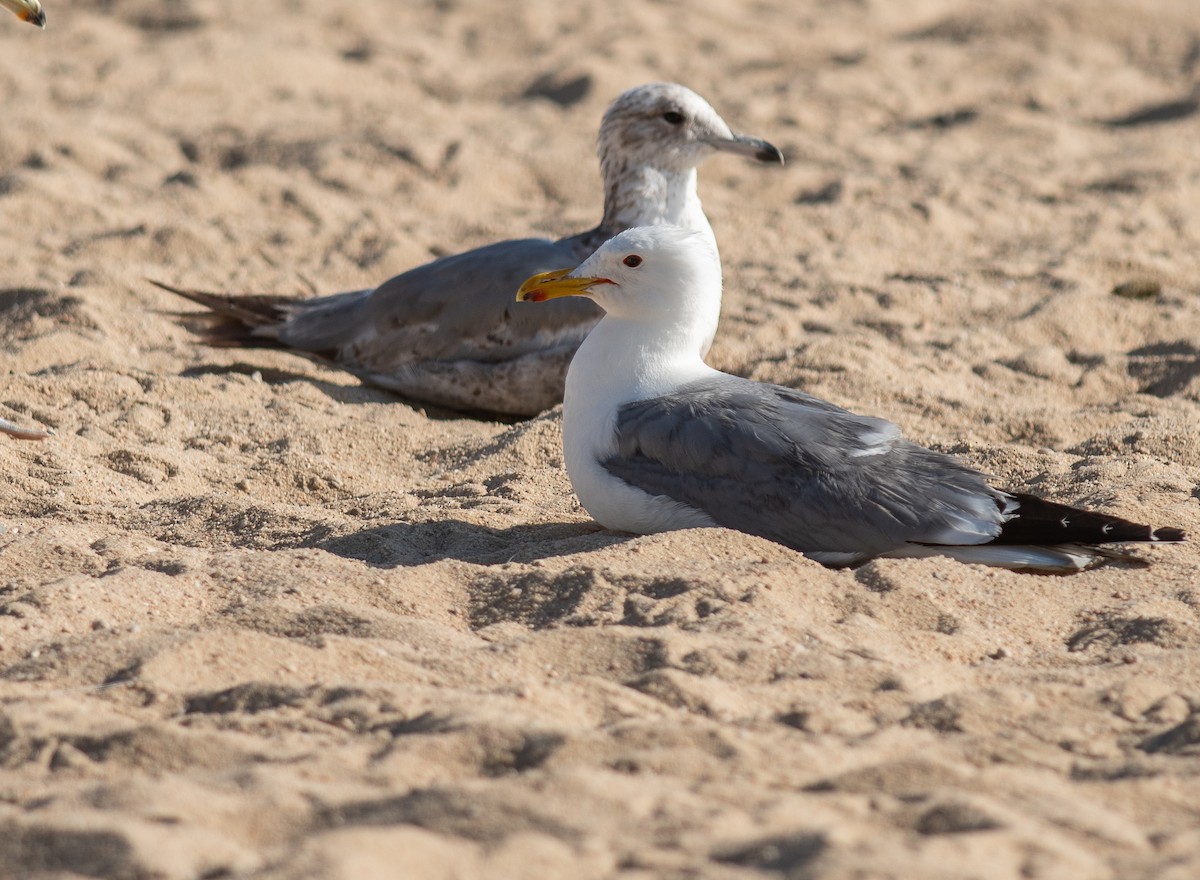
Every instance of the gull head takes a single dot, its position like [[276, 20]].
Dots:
[[670, 127], [651, 273], [26, 10]]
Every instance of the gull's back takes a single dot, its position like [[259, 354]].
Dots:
[[450, 332]]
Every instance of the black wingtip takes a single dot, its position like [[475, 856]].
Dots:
[[1040, 522]]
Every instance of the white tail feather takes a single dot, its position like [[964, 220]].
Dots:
[[1060, 558]]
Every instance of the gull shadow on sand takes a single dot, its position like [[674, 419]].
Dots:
[[405, 544], [275, 376], [24, 312], [339, 392]]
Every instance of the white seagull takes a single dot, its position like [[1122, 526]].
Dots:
[[448, 332], [26, 10], [655, 440]]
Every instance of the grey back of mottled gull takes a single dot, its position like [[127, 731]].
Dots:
[[452, 343]]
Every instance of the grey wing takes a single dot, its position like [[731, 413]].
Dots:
[[789, 467], [456, 308]]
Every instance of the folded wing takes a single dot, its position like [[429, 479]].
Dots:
[[837, 486]]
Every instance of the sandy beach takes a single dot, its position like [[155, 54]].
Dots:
[[259, 621]]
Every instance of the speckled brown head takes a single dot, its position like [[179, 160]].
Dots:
[[668, 126], [651, 140]]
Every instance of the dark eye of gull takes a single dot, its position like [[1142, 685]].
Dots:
[[674, 117], [632, 261]]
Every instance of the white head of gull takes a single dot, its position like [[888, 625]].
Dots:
[[654, 439]]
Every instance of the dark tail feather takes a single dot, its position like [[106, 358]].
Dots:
[[253, 310], [236, 321], [1040, 522]]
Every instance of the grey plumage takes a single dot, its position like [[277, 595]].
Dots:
[[838, 486], [787, 466], [432, 334]]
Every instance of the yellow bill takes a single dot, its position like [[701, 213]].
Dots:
[[555, 284]]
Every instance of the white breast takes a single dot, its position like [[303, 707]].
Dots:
[[599, 382]]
